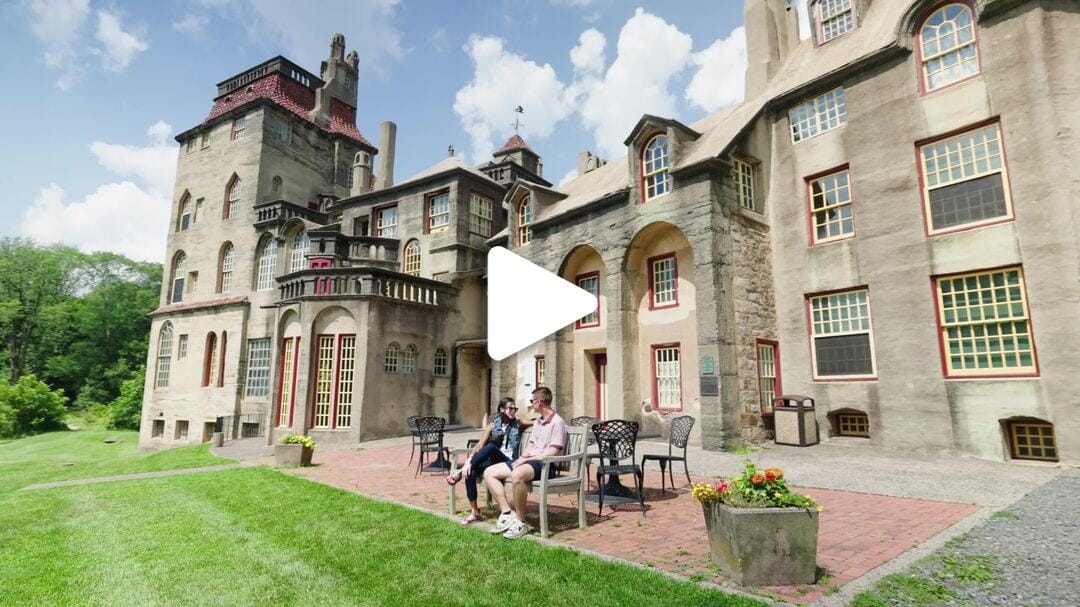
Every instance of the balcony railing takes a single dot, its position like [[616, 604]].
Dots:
[[363, 282], [277, 212], [366, 249]]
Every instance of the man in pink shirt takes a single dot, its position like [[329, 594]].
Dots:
[[548, 438]]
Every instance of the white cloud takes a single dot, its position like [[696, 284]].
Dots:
[[501, 81], [191, 24], [120, 46], [650, 53], [720, 78], [588, 55], [56, 24], [569, 176], [127, 217]]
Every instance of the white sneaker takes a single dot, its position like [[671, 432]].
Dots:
[[503, 523], [517, 529]]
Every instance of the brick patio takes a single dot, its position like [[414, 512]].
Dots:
[[858, 532]]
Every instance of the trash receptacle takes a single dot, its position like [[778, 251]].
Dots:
[[795, 420]]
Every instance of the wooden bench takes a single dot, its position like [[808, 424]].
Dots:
[[572, 481]]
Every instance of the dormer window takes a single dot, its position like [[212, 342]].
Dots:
[[834, 19], [654, 167], [524, 221]]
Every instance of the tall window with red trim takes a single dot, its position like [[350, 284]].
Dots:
[[843, 345], [590, 282], [965, 182], [238, 126], [667, 376], [948, 49], [221, 359], [287, 389], [768, 367], [654, 167], [228, 261], [831, 208], [324, 381], [663, 281], [386, 222], [210, 355], [438, 212]]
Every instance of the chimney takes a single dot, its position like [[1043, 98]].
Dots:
[[387, 139], [587, 162], [771, 34], [361, 174]]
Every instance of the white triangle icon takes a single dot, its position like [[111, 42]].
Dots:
[[526, 303]]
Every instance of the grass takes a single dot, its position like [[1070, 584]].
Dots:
[[46, 457], [257, 536], [1005, 514], [968, 568], [900, 589]]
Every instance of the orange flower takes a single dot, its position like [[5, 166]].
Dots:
[[757, 479], [771, 475]]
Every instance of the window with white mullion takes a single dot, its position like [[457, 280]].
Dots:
[[766, 375], [442, 363], [439, 212], [386, 222], [164, 357], [664, 281], [985, 324], [287, 370], [301, 245], [258, 368], [408, 360], [590, 283], [228, 260], [964, 179], [211, 370], [947, 46], [390, 360], [480, 215], [835, 18], [524, 221], [655, 167], [267, 265], [818, 115], [842, 337], [668, 377], [324, 381], [831, 208], [346, 376], [744, 181]]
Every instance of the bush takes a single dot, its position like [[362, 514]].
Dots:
[[34, 407], [7, 420], [126, 411], [97, 415]]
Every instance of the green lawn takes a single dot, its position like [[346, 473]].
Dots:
[[256, 536]]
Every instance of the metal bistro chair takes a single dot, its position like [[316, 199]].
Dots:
[[414, 434], [586, 421], [617, 439], [680, 436], [430, 439]]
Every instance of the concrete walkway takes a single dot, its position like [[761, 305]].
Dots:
[[131, 477]]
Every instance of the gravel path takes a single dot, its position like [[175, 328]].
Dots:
[[1027, 555]]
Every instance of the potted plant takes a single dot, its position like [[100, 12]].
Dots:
[[294, 450], [760, 532]]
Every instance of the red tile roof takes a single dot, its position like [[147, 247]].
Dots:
[[513, 144], [200, 305], [294, 97]]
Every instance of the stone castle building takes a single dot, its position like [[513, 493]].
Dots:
[[881, 225]]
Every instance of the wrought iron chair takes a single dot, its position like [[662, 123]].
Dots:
[[586, 421], [414, 433], [680, 436], [616, 440], [430, 439]]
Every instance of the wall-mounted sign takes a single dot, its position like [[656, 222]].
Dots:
[[710, 385], [708, 367]]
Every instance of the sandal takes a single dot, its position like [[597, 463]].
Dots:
[[468, 520], [452, 479]]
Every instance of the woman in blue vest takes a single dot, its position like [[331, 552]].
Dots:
[[499, 443]]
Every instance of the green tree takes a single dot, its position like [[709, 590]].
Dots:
[[35, 407], [126, 411]]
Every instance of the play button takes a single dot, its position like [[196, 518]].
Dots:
[[526, 303]]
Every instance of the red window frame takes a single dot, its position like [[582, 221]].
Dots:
[[819, 26], [577, 281], [916, 41], [428, 199], [335, 370], [208, 350], [656, 380], [1006, 178], [281, 380], [808, 312], [652, 300], [778, 390], [808, 185], [375, 220], [941, 338], [221, 360]]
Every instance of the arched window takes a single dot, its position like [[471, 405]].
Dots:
[[183, 213], [210, 360], [164, 356], [411, 263], [390, 362], [179, 272], [221, 359], [298, 259], [266, 265], [232, 196], [442, 363], [275, 185], [654, 167], [228, 261], [408, 360], [947, 49], [524, 221]]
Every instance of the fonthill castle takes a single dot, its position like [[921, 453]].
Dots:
[[887, 224]]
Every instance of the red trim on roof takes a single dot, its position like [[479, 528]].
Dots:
[[199, 305], [293, 97], [513, 144]]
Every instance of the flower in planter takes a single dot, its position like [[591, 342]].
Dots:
[[753, 489], [299, 439]]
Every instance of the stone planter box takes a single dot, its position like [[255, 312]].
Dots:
[[763, 546], [292, 455]]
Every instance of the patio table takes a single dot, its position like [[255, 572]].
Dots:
[[614, 491]]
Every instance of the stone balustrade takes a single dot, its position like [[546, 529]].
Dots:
[[277, 212], [363, 282]]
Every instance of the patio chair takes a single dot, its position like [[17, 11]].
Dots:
[[586, 421], [616, 440], [680, 436], [430, 439], [571, 482], [414, 434]]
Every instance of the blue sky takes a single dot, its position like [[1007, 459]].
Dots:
[[97, 88]]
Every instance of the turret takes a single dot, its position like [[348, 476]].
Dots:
[[772, 32], [339, 77]]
